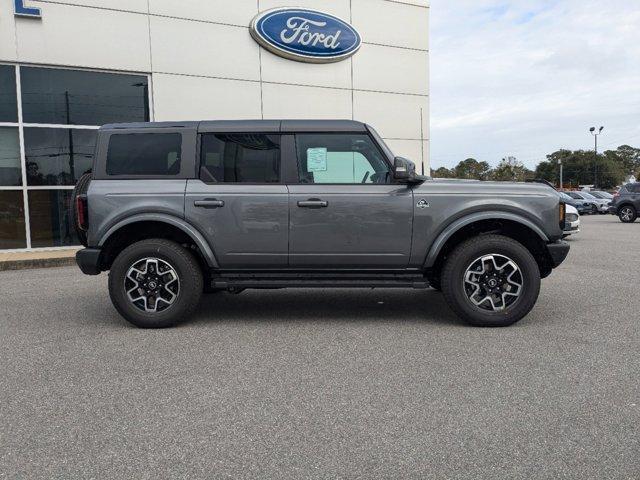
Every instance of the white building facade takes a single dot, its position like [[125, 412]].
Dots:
[[69, 66]]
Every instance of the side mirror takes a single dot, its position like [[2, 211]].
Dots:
[[404, 171]]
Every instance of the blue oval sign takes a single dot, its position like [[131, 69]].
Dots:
[[305, 35]]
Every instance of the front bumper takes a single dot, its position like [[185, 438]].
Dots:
[[613, 210], [88, 259], [558, 252]]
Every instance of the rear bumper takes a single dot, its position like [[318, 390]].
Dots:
[[88, 259], [558, 252]]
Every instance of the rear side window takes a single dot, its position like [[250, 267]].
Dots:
[[634, 187], [240, 158], [144, 154]]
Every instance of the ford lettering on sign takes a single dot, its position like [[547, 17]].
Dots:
[[305, 35]]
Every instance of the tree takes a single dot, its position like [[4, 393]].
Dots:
[[509, 170], [628, 157], [472, 169], [442, 172], [579, 168]]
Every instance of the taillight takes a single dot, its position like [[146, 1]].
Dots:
[[616, 195], [82, 215], [563, 213]]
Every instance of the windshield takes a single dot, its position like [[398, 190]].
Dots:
[[564, 196], [586, 195], [603, 195], [575, 195]]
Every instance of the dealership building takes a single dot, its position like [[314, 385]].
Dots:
[[69, 66]]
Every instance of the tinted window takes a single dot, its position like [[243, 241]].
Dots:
[[8, 99], [65, 97], [58, 156], [12, 229], [10, 169], [240, 158], [635, 188], [144, 154], [341, 159]]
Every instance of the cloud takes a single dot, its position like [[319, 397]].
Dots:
[[526, 78]]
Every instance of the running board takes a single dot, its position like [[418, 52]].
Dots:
[[318, 280]]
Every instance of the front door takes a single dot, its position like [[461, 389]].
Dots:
[[239, 203], [346, 212]]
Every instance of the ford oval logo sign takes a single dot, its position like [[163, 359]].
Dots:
[[305, 35]]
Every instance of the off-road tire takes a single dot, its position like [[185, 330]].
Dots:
[[80, 189], [623, 218], [464, 255], [188, 271]]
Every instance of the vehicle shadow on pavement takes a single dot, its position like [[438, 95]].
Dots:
[[351, 305]]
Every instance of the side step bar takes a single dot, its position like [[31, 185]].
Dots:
[[318, 280]]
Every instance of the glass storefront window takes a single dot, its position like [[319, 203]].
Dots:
[[58, 156], [68, 107], [72, 97], [49, 220], [10, 169], [12, 229], [8, 99]]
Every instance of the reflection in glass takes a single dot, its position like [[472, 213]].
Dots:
[[58, 156], [72, 97], [12, 229], [10, 170], [50, 225], [8, 99]]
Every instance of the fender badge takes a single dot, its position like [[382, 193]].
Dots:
[[423, 204]]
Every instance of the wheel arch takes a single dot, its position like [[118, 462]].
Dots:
[[154, 225], [508, 224]]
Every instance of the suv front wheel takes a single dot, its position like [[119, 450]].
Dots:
[[491, 281], [155, 283]]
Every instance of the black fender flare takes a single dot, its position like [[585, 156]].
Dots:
[[455, 226], [188, 229]]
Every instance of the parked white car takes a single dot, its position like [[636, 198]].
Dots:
[[572, 221]]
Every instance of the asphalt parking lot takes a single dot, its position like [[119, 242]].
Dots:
[[327, 384]]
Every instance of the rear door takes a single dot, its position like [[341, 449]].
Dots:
[[345, 210], [239, 202]]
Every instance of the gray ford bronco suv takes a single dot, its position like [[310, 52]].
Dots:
[[175, 210]]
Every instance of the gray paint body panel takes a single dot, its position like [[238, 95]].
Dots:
[[250, 229], [367, 226]]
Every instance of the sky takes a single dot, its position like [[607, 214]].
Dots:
[[526, 78]]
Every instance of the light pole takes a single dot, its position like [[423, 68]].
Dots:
[[561, 183], [595, 158]]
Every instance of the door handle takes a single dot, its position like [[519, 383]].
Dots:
[[209, 203], [313, 203]]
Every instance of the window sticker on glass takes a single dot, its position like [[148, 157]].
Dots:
[[316, 160]]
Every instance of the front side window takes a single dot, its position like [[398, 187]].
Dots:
[[340, 159], [144, 154], [240, 158]]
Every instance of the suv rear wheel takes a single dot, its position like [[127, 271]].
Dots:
[[627, 214], [491, 281], [155, 283]]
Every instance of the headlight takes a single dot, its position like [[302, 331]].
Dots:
[[572, 217]]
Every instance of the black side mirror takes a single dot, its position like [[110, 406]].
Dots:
[[404, 171]]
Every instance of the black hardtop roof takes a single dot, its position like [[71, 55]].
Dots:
[[251, 126]]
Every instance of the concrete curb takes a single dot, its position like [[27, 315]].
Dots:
[[36, 263]]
